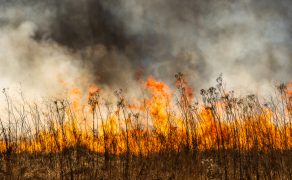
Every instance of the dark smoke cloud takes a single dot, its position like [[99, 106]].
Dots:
[[248, 41]]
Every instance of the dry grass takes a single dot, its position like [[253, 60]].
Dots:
[[165, 135]]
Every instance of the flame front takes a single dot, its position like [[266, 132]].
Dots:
[[161, 121]]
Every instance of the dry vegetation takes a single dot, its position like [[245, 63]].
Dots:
[[165, 135]]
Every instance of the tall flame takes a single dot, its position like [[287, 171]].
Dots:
[[157, 123]]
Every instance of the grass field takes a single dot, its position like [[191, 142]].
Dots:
[[166, 134]]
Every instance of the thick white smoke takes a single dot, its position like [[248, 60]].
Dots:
[[38, 68]]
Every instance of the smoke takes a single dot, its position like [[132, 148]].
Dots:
[[114, 43], [248, 41], [38, 68]]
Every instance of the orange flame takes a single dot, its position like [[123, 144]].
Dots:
[[228, 125]]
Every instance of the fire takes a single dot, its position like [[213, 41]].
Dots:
[[158, 122], [75, 95], [158, 103], [289, 90]]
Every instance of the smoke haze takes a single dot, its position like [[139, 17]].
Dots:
[[47, 43]]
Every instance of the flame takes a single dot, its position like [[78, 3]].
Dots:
[[156, 123], [289, 89], [158, 103]]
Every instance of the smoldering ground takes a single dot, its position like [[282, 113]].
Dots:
[[111, 42]]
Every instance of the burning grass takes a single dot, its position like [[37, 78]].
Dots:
[[218, 136]]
